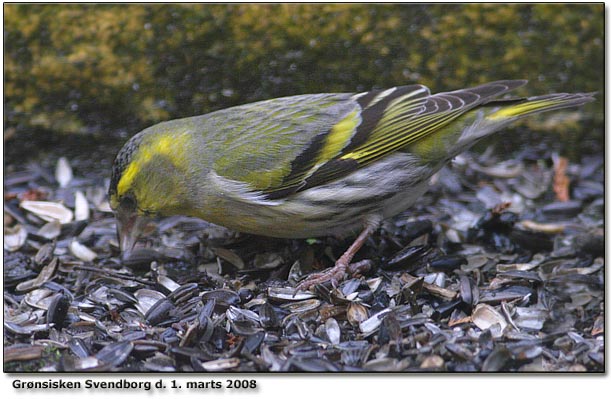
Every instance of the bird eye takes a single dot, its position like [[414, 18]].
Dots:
[[128, 202]]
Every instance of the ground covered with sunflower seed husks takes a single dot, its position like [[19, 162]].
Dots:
[[498, 268]]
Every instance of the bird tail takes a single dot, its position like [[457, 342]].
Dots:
[[533, 105], [503, 112]]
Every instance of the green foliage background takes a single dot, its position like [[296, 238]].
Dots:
[[111, 69]]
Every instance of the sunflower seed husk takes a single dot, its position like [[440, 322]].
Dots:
[[116, 353], [301, 306], [58, 309], [14, 237], [49, 211], [45, 275], [372, 323], [356, 313], [168, 283], [146, 299], [223, 298], [432, 362], [51, 230], [81, 206], [531, 318], [221, 365], [496, 360], [282, 294], [332, 331], [82, 252], [27, 329], [63, 172], [505, 170], [230, 257], [485, 316], [20, 354]]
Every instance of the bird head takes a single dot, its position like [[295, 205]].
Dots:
[[148, 180]]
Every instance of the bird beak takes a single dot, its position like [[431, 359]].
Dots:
[[129, 228]]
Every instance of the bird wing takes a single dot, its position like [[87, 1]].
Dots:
[[300, 142], [272, 145]]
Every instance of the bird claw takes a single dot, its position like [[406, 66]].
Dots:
[[335, 274]]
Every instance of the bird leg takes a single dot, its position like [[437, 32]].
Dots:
[[342, 266]]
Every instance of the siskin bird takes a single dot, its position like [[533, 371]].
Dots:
[[309, 165]]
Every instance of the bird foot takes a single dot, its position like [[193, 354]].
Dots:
[[335, 274]]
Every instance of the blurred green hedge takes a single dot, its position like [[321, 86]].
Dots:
[[110, 68]]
